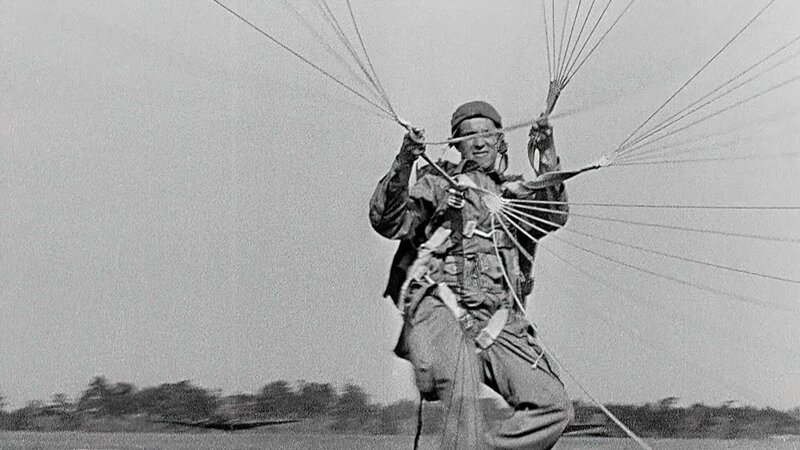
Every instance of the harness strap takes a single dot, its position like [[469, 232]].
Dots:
[[488, 334], [419, 268], [451, 301]]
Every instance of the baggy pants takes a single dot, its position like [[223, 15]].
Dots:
[[447, 367]]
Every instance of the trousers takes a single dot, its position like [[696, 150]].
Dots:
[[448, 367]]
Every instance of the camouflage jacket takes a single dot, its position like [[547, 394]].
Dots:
[[467, 262]]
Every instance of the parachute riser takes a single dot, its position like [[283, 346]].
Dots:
[[553, 92]]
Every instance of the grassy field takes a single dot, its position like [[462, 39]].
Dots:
[[260, 440]]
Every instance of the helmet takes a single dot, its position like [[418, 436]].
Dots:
[[473, 109]]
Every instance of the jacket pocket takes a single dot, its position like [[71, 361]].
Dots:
[[490, 273]]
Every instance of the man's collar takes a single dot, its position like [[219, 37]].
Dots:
[[468, 165]]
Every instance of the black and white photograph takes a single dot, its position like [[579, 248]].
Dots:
[[400, 224]]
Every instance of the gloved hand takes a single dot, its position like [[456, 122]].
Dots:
[[541, 132], [412, 146], [541, 147]]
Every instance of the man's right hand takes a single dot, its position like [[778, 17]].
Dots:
[[413, 145]]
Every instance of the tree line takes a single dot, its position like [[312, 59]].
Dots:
[[320, 407]]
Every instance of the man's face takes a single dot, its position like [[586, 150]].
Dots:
[[481, 149]]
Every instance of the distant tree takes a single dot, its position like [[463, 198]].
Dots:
[[353, 411], [119, 399], [730, 403], [239, 405], [353, 401], [34, 406], [314, 399], [181, 401], [61, 404], [60, 400], [104, 398], [277, 398], [668, 402], [93, 399], [698, 420], [62, 413], [3, 404]]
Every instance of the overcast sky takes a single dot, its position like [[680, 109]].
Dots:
[[182, 199]]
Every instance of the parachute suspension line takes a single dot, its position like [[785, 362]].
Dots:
[[319, 69], [586, 58], [678, 155], [496, 216], [681, 258], [645, 205], [333, 23], [577, 39], [680, 228], [682, 148], [602, 407], [418, 433], [690, 229], [634, 299], [553, 27], [561, 51], [675, 150], [552, 59], [572, 62], [513, 206], [692, 108], [387, 110], [619, 423], [337, 28], [509, 128], [506, 129], [674, 227], [741, 298], [696, 160], [550, 63], [369, 61], [679, 147], [723, 110], [706, 64], [561, 54], [705, 137], [324, 42], [520, 209], [563, 59], [657, 128], [709, 116], [369, 72]]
